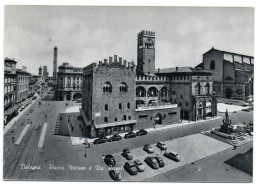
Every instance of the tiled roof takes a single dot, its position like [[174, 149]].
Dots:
[[182, 70]]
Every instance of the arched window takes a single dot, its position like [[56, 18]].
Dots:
[[212, 65], [140, 92], [123, 87], [152, 92], [197, 89], [207, 87], [105, 119], [128, 105], [107, 87], [164, 92], [124, 117]]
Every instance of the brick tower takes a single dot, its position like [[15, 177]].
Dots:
[[145, 52], [55, 63]]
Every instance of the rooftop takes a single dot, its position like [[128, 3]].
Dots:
[[182, 70], [229, 52]]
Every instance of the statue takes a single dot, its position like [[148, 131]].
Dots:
[[226, 127]]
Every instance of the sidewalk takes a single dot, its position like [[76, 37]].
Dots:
[[80, 140], [12, 122]]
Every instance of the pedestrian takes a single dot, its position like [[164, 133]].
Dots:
[[235, 146], [72, 128]]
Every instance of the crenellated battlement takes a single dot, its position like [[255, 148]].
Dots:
[[111, 63], [151, 78], [144, 32]]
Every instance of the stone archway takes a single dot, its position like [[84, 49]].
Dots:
[[77, 96], [228, 93]]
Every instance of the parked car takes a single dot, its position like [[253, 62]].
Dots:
[[161, 145], [246, 110], [126, 153], [148, 148], [110, 160], [152, 162], [141, 132], [100, 140], [115, 175], [130, 135], [115, 137], [160, 161], [130, 168], [173, 156], [139, 165]]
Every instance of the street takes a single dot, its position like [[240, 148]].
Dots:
[[58, 159]]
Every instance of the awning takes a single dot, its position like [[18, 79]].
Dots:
[[10, 111], [115, 124]]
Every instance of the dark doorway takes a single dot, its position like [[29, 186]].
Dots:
[[228, 93], [77, 96], [68, 97]]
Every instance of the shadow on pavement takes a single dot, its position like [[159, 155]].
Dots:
[[243, 162]]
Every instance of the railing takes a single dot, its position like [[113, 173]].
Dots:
[[163, 106]]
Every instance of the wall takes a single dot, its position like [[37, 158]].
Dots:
[[148, 120], [217, 56], [229, 71]]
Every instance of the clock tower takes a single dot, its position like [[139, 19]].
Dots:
[[146, 52]]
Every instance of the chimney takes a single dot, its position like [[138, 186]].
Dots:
[[125, 63], [177, 69], [110, 60], [158, 69], [120, 60]]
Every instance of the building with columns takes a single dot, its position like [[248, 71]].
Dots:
[[233, 74], [69, 82]]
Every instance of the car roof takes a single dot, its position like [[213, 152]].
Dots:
[[131, 163], [138, 161]]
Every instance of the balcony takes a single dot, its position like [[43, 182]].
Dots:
[[156, 107]]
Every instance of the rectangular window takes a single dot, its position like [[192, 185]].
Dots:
[[172, 113], [122, 128], [114, 128], [115, 119], [120, 106]]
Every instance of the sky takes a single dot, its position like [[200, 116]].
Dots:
[[85, 34]]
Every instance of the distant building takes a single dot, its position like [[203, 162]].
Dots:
[[55, 56], [22, 85], [10, 77], [40, 70], [233, 74], [69, 82], [24, 68], [45, 72]]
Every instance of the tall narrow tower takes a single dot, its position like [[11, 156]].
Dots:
[[145, 52], [55, 63], [40, 71]]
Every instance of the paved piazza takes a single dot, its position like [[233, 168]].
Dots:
[[41, 154]]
